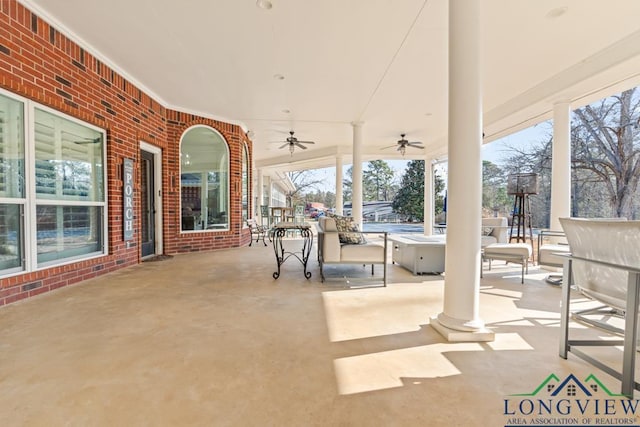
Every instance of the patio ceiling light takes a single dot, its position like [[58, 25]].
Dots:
[[264, 4], [557, 12]]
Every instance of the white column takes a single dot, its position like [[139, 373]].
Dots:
[[560, 165], [270, 191], [356, 190], [260, 191], [339, 178], [428, 196], [460, 320]]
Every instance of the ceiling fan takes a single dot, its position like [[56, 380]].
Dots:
[[292, 142], [402, 144], [89, 141]]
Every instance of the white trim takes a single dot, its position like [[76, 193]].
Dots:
[[157, 171], [30, 226], [250, 208], [30, 201], [228, 184], [66, 31]]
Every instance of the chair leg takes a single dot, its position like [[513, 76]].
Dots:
[[384, 273], [564, 309], [630, 335], [321, 272]]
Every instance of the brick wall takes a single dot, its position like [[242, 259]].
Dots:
[[42, 64]]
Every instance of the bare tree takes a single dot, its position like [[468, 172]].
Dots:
[[606, 143], [304, 181], [535, 158]]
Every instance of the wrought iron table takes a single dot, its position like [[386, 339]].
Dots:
[[279, 231]]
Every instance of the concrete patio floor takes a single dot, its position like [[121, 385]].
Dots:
[[212, 339]]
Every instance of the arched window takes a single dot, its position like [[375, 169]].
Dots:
[[204, 180], [245, 183]]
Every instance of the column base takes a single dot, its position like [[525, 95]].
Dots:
[[452, 335]]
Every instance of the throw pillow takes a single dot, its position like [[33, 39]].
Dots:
[[347, 230], [486, 230]]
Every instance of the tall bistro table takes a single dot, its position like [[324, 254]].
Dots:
[[280, 213], [279, 231]]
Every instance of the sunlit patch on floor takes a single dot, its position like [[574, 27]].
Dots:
[[383, 370], [509, 341]]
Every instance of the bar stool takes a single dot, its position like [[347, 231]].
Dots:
[[276, 214], [264, 215], [298, 215]]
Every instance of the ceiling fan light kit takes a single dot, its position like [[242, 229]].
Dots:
[[403, 143], [292, 142]]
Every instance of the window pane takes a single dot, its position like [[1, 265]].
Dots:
[[245, 184], [68, 159], [11, 148], [68, 231], [10, 237], [204, 180]]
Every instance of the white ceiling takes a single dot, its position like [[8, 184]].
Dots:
[[382, 62]]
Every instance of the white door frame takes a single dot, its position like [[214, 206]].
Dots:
[[157, 185]]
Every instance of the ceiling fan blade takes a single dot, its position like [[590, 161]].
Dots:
[[415, 144], [89, 141], [301, 146], [306, 142], [284, 145], [390, 146]]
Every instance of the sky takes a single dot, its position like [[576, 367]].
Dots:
[[494, 151]]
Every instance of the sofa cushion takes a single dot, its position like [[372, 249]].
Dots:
[[500, 228], [546, 254], [508, 249], [348, 231], [487, 240], [366, 253]]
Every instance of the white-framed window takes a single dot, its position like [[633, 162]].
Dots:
[[12, 184], [52, 187], [278, 196], [204, 180], [245, 183]]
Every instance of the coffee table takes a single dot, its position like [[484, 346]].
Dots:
[[418, 253]]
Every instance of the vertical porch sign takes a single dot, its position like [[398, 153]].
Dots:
[[127, 197]]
